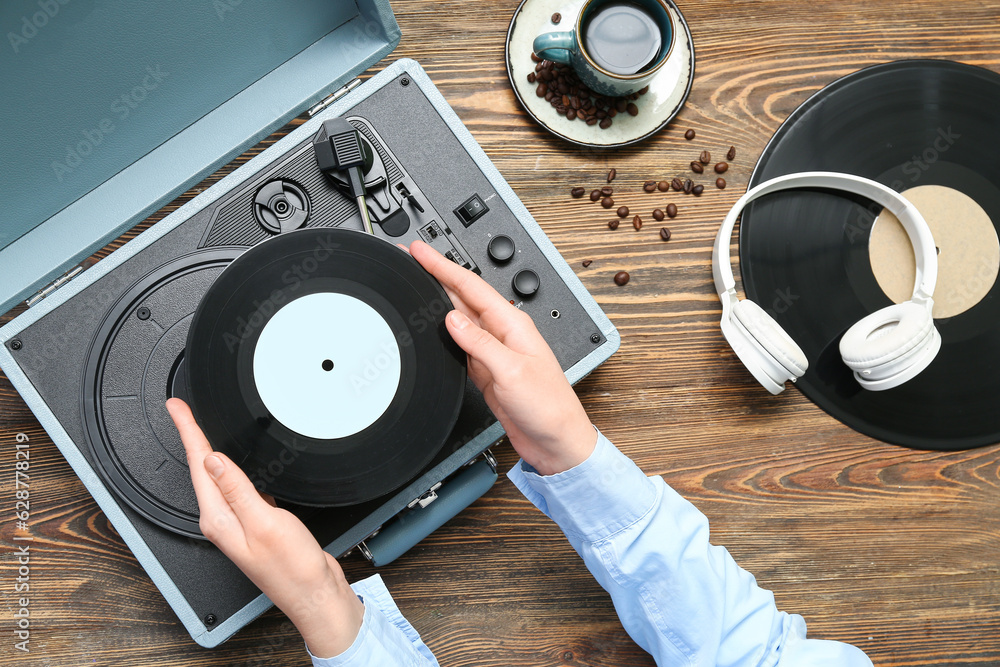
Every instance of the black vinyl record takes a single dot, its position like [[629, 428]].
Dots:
[[319, 362], [804, 254]]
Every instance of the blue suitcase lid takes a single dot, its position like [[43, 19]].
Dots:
[[112, 108]]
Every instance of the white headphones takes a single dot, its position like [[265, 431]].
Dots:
[[885, 349]]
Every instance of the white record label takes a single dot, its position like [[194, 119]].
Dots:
[[327, 365]]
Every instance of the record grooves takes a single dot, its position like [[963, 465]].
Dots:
[[285, 376], [804, 254]]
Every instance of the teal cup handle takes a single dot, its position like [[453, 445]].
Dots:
[[555, 46]]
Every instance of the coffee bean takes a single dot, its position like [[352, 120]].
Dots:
[[574, 100], [671, 210], [531, 77], [662, 186], [677, 184], [612, 224], [657, 214], [595, 195], [607, 202], [688, 186], [557, 17], [587, 262], [621, 278], [541, 90], [697, 168], [649, 186], [644, 90], [720, 183], [705, 157], [721, 167], [637, 223], [664, 233], [578, 192], [607, 192], [697, 190], [622, 211], [689, 135], [731, 155]]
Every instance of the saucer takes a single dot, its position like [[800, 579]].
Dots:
[[666, 95]]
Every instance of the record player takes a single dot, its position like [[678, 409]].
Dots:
[[102, 346]]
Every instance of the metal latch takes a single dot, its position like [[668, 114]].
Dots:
[[425, 499], [60, 281], [333, 97]]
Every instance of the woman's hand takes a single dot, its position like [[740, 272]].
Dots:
[[515, 369], [270, 545]]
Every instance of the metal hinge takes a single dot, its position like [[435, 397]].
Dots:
[[333, 97], [490, 459], [60, 281]]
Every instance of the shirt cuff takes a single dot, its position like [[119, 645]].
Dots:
[[385, 638], [593, 500]]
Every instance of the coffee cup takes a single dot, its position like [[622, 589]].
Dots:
[[616, 47]]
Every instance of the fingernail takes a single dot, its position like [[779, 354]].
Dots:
[[214, 465], [459, 319]]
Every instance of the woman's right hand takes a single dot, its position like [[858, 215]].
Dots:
[[515, 369]]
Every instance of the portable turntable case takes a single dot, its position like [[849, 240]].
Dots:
[[118, 107]]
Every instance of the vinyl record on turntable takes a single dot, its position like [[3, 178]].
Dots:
[[820, 261], [319, 362]]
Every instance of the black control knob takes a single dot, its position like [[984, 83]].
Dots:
[[500, 249], [525, 282]]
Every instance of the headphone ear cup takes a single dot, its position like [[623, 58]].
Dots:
[[891, 345], [772, 338]]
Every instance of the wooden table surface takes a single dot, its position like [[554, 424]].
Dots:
[[896, 551]]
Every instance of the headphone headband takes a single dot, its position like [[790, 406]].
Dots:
[[913, 222]]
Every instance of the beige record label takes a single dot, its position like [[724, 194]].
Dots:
[[968, 250]]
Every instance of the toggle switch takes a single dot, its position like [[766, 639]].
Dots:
[[471, 210]]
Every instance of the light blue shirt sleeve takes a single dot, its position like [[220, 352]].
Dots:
[[680, 598], [386, 638]]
